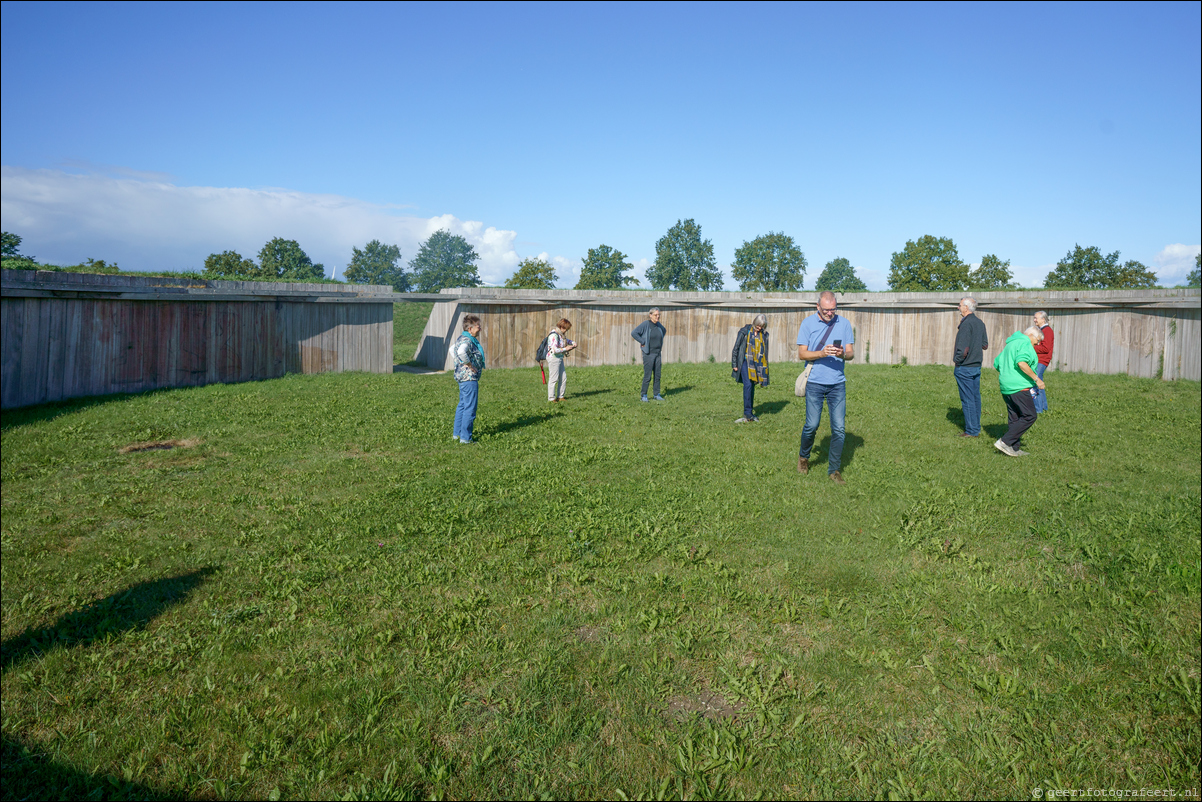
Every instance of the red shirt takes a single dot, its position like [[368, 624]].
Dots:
[[1044, 349]]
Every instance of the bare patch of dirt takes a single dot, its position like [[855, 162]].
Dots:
[[158, 445], [588, 634], [710, 705]]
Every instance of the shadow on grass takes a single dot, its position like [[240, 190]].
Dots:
[[29, 775], [587, 393], [956, 415], [851, 443], [513, 425], [772, 407], [677, 390], [129, 609], [13, 418], [995, 430]]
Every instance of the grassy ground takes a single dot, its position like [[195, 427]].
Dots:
[[316, 594], [408, 323]]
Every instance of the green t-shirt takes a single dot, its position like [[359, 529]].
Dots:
[[1018, 349]]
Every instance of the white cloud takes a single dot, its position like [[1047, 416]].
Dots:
[[1174, 262], [1031, 276], [145, 223]]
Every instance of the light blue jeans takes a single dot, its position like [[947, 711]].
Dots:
[[465, 413], [835, 396], [1041, 396]]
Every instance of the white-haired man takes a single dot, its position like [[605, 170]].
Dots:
[[971, 341]]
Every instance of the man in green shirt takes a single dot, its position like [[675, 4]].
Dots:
[[1016, 378]]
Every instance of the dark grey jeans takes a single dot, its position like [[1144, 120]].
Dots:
[[651, 366]]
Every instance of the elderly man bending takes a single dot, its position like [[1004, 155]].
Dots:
[[1017, 380]]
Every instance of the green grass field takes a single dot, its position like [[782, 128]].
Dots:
[[318, 595], [408, 323]]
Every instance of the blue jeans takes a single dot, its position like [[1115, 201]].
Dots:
[[1041, 396], [835, 396], [969, 382], [465, 413], [748, 392]]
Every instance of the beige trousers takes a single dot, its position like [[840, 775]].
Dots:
[[557, 376]]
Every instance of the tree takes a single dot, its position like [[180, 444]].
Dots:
[[377, 264], [684, 261], [991, 274], [931, 264], [1195, 277], [533, 274], [9, 253], [1087, 268], [603, 268], [230, 266], [444, 260], [771, 262], [283, 260], [840, 276]]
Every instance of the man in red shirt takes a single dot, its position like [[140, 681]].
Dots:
[[1044, 351]]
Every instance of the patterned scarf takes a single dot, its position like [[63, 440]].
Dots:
[[757, 357]]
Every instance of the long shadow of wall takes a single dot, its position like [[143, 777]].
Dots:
[[29, 774]]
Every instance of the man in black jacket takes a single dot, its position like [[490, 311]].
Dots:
[[971, 340]]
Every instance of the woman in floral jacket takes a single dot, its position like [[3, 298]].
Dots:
[[469, 364]]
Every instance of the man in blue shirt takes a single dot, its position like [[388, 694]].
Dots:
[[825, 339]]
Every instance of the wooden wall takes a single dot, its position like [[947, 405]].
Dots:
[[1139, 332], [74, 337]]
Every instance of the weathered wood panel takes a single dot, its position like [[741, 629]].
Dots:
[[72, 338], [1142, 333]]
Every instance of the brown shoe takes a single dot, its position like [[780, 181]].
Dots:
[[836, 478], [803, 465]]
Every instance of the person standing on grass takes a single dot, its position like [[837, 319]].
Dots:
[[469, 364], [1018, 381], [749, 363], [650, 335], [558, 347], [826, 340], [1044, 352], [971, 340]]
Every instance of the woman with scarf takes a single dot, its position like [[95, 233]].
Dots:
[[469, 364], [749, 363]]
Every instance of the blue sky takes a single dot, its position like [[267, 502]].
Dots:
[[156, 134]]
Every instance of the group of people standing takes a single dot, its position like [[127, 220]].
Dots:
[[825, 342], [1020, 366]]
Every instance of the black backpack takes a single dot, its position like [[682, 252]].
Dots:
[[540, 354]]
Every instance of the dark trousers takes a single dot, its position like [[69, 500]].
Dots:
[[748, 391], [1020, 408], [651, 366]]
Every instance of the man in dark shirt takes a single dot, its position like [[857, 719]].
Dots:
[[971, 340], [650, 335]]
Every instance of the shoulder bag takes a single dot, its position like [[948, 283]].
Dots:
[[799, 388]]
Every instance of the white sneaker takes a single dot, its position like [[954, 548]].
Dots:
[[1005, 449], [741, 420]]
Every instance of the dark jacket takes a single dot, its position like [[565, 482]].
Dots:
[[971, 340], [739, 353], [642, 333]]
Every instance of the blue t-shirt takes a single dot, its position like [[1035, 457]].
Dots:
[[829, 369]]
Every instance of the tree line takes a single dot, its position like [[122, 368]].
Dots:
[[773, 262], [684, 260]]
